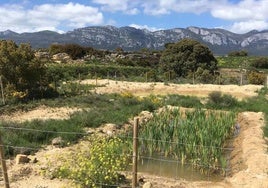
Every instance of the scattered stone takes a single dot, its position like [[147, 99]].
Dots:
[[57, 142], [147, 185], [145, 116], [109, 129], [34, 160], [22, 159]]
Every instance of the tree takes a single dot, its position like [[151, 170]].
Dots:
[[186, 57], [260, 62], [242, 53], [23, 74]]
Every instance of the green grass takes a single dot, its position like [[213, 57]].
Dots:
[[101, 109]]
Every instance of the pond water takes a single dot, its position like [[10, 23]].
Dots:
[[162, 166]]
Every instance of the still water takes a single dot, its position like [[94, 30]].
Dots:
[[162, 166]]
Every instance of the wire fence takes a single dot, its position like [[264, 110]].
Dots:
[[157, 164]]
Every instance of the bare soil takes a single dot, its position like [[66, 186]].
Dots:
[[249, 159], [157, 88]]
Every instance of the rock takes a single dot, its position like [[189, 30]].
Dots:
[[22, 159], [34, 160], [61, 57], [147, 185], [145, 116], [109, 129], [57, 142]]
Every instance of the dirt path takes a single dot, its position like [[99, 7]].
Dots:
[[157, 88]]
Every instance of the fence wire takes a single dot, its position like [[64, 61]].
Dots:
[[159, 165]]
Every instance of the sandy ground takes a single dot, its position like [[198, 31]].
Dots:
[[40, 113], [249, 159], [157, 88]]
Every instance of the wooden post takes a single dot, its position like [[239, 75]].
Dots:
[[2, 91], [3, 162], [96, 79], [241, 78], [267, 81], [135, 152]]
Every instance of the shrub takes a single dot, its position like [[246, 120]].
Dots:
[[98, 165], [184, 101], [256, 78], [241, 53], [260, 62], [218, 100]]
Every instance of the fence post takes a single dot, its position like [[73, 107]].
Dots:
[[3, 162], [135, 152], [267, 80], [2, 91]]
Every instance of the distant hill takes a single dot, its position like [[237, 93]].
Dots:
[[220, 41]]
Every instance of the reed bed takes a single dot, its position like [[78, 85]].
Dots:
[[196, 136]]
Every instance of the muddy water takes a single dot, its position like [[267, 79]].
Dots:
[[171, 168]]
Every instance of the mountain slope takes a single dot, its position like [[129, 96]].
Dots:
[[220, 41]]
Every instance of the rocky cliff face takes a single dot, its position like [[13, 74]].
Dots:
[[108, 37]]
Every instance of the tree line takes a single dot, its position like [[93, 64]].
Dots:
[[24, 76]]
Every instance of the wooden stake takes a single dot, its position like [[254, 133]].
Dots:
[[2, 91], [135, 152], [3, 162]]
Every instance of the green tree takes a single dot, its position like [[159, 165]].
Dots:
[[23, 74], [187, 56], [242, 53], [260, 62]]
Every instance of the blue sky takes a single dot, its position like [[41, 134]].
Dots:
[[238, 16]]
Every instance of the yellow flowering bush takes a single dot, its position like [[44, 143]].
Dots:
[[99, 165]]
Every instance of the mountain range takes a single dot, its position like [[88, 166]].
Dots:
[[220, 41]]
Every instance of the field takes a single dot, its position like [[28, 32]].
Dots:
[[250, 147]]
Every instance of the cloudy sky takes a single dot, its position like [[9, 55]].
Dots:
[[238, 16]]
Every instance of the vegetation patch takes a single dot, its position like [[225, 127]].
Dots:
[[196, 136], [98, 164]]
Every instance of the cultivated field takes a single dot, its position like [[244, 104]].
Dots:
[[249, 159]]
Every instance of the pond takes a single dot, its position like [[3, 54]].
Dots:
[[167, 167]]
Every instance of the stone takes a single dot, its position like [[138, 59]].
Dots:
[[57, 141], [22, 159], [147, 185], [109, 129]]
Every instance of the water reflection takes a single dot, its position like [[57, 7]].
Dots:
[[166, 167]]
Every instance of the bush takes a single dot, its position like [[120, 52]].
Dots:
[[256, 78], [241, 53], [184, 101], [218, 100], [260, 62], [98, 165]]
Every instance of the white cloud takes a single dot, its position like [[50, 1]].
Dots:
[[126, 6], [53, 17], [145, 27], [247, 15], [246, 9], [243, 27]]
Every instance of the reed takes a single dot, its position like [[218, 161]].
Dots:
[[195, 136]]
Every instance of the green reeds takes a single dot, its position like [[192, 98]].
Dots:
[[196, 136]]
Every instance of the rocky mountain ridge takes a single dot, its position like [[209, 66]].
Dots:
[[220, 41]]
